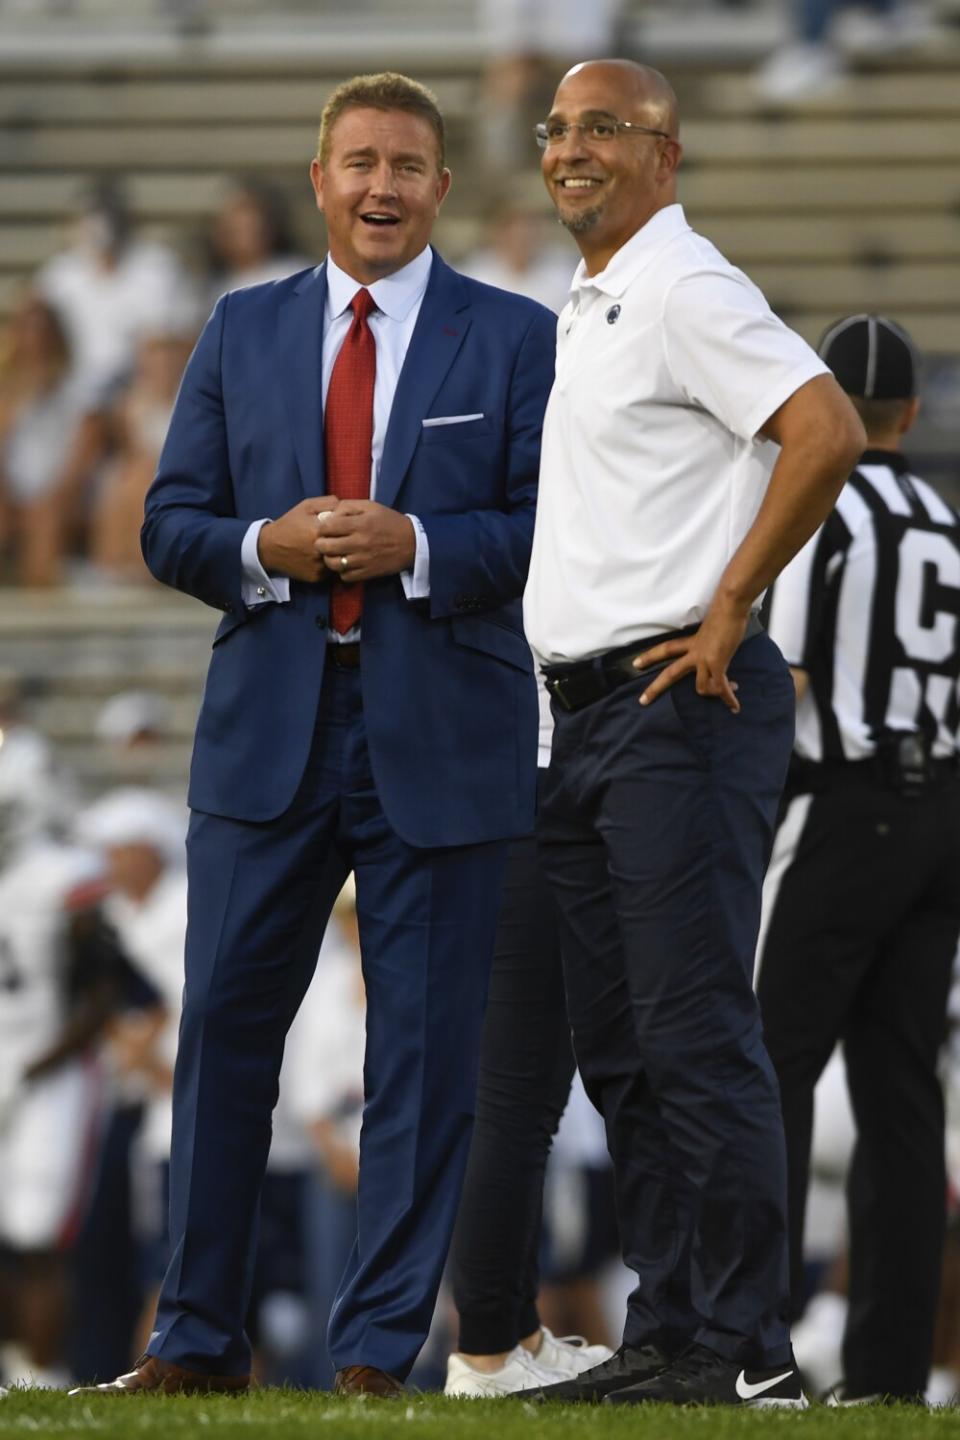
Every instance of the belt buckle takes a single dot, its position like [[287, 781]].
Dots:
[[344, 655], [556, 690]]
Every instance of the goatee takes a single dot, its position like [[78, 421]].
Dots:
[[585, 220]]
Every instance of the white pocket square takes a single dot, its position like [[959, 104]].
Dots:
[[449, 420]]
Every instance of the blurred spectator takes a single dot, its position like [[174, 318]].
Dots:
[[136, 728], [134, 720], [139, 416], [67, 349], [141, 835], [37, 796], [325, 1053], [60, 979], [521, 256], [580, 1224], [812, 63], [528, 42], [284, 1340], [251, 240], [48, 442], [111, 288], [818, 1335]]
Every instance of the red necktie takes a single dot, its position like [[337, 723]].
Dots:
[[348, 438]]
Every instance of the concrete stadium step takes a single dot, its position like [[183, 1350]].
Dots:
[[142, 634], [917, 93], [259, 144], [814, 140], [875, 287], [280, 146], [870, 239], [411, 38], [828, 188], [115, 99], [54, 192], [934, 330], [74, 648], [848, 194]]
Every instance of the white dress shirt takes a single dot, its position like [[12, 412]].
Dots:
[[398, 298], [652, 471]]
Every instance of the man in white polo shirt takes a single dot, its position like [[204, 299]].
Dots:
[[665, 509]]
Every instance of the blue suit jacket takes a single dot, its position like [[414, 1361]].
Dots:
[[449, 696]]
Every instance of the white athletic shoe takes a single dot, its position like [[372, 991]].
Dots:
[[838, 1399], [518, 1372], [19, 1372], [568, 1355], [797, 73], [818, 1341]]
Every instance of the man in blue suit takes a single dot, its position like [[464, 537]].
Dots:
[[393, 735]]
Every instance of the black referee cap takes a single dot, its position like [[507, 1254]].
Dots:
[[871, 357]]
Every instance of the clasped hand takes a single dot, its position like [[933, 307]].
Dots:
[[311, 541]]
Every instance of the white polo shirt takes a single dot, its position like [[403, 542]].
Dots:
[[651, 472]]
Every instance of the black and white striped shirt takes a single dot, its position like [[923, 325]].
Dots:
[[870, 608]]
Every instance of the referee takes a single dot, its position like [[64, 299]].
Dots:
[[862, 898]]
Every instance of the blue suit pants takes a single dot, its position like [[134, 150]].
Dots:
[[260, 898]]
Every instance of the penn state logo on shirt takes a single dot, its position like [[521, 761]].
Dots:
[[613, 315]]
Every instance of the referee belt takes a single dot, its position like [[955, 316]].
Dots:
[[578, 684], [875, 772]]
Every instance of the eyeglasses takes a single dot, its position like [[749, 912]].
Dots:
[[600, 131]]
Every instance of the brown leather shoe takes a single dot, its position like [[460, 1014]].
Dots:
[[367, 1380], [152, 1373]]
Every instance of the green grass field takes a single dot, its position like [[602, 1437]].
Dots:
[[279, 1414]]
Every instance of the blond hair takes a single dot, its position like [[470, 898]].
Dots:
[[385, 91]]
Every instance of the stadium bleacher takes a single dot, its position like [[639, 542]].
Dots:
[[846, 202]]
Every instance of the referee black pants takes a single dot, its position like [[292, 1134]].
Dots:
[[526, 1066], [862, 914]]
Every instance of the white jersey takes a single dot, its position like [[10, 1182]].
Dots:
[[152, 936], [36, 795], [37, 894]]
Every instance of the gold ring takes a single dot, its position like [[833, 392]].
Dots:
[[344, 562]]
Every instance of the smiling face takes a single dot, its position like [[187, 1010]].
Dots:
[[380, 188], [605, 191]]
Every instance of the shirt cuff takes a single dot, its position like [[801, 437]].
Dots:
[[416, 582], [256, 586]]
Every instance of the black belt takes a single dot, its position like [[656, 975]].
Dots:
[[877, 772], [581, 682], [345, 656]]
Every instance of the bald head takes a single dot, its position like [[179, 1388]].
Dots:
[[610, 153], [646, 87]]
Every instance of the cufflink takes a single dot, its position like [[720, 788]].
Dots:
[[261, 592]]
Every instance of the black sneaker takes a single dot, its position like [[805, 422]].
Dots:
[[702, 1377], [626, 1366]]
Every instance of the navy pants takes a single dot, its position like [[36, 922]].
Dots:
[[655, 830], [259, 899]]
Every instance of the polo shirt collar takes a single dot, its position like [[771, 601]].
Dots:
[[634, 256], [395, 294]]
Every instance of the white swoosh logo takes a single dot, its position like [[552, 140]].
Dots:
[[746, 1391]]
